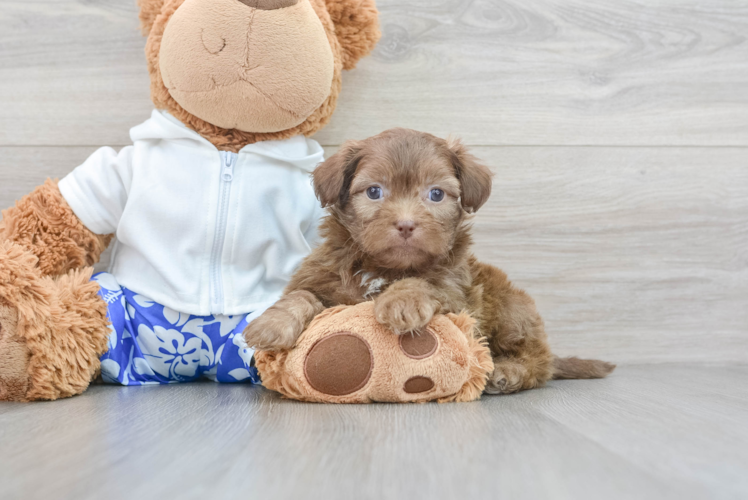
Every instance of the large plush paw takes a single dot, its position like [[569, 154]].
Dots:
[[274, 330], [14, 357], [404, 312], [507, 377]]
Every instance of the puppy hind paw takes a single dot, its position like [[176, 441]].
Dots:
[[507, 378]]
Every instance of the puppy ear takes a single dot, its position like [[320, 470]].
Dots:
[[474, 177], [149, 10], [332, 179], [356, 26]]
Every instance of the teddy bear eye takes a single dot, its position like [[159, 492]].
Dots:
[[436, 195], [374, 192]]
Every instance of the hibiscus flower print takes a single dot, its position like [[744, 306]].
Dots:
[[168, 352]]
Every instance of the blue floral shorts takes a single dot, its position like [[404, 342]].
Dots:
[[152, 344]]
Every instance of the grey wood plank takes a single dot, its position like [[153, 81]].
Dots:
[[536, 72], [24, 168], [639, 252], [646, 432], [696, 413], [633, 254], [72, 72]]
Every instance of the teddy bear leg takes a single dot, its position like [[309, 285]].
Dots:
[[52, 330], [67, 358], [14, 357]]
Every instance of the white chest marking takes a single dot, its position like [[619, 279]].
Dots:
[[373, 285]]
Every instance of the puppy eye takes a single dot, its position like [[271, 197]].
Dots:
[[436, 195], [374, 192]]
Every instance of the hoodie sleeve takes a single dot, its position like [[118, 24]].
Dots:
[[97, 190]]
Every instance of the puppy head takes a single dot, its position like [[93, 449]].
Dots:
[[402, 195]]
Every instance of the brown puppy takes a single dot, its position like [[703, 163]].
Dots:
[[398, 234]]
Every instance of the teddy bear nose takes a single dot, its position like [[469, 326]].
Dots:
[[269, 4], [406, 228]]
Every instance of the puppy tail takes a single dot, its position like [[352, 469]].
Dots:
[[575, 368]]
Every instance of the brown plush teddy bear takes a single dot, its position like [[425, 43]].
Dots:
[[347, 356], [212, 204]]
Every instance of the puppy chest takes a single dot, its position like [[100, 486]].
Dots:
[[371, 285]]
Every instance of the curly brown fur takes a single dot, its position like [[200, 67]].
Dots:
[[412, 254], [573, 368], [356, 26], [43, 223], [149, 10], [60, 323], [358, 32]]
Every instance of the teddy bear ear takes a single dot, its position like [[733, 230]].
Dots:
[[356, 26], [149, 10]]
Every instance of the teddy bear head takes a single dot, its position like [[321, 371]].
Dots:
[[243, 71]]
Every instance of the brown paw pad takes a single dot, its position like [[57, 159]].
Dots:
[[418, 346], [417, 385], [338, 365]]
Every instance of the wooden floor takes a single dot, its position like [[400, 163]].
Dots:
[[648, 432]]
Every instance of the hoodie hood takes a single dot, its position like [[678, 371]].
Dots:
[[299, 151]]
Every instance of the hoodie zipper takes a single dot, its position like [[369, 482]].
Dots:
[[228, 160]]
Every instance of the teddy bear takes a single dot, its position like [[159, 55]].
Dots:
[[346, 356], [211, 205]]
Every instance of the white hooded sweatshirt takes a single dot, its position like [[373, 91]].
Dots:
[[199, 230]]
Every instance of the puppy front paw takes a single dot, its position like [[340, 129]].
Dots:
[[404, 312], [274, 330]]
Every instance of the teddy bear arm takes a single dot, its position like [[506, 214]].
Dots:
[[356, 26], [43, 223], [65, 352]]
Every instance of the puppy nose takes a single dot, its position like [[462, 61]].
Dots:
[[406, 228], [269, 4]]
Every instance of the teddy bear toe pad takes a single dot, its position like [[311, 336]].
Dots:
[[418, 385], [418, 346]]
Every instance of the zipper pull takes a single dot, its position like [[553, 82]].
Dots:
[[228, 169]]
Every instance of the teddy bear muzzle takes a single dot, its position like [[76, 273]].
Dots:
[[258, 66]]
